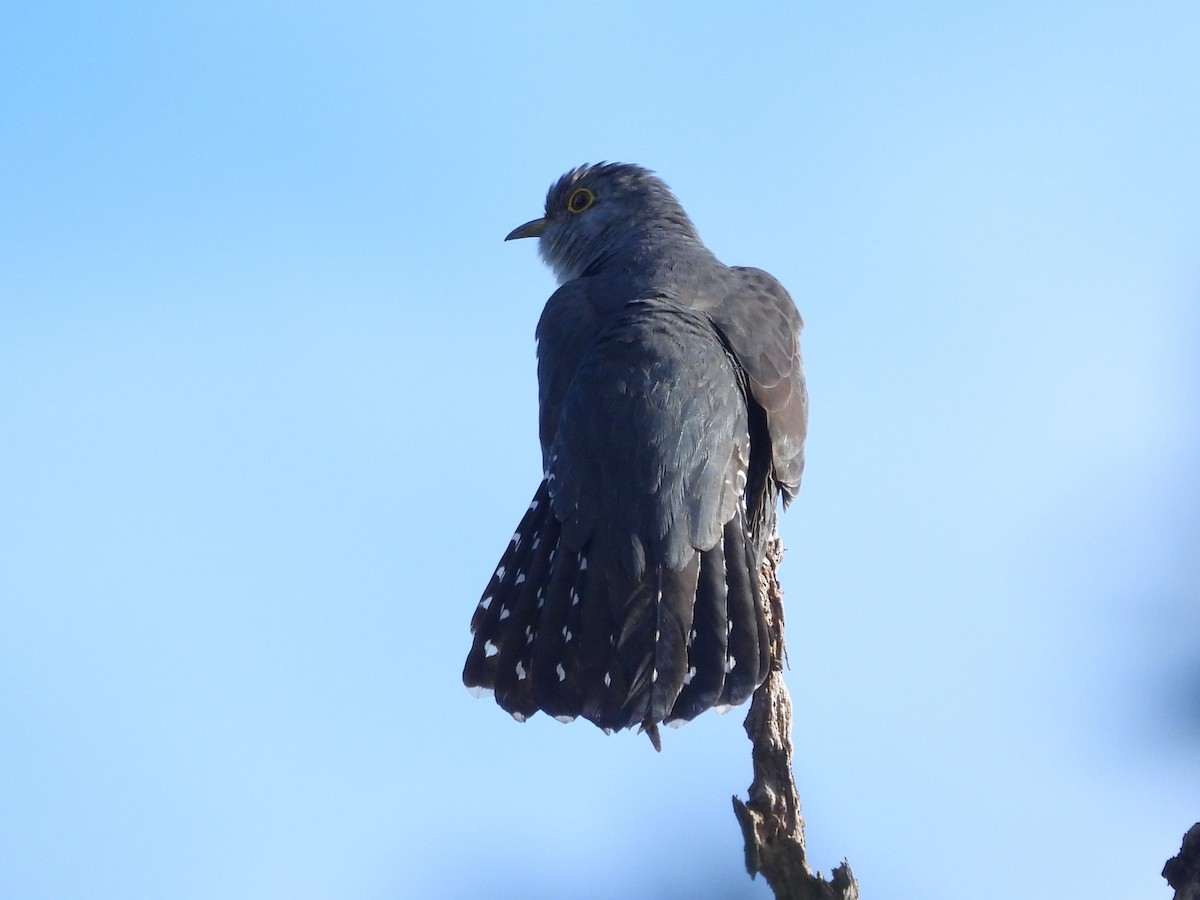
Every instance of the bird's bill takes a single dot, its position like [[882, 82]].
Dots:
[[529, 229]]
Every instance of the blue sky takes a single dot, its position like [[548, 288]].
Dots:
[[267, 408]]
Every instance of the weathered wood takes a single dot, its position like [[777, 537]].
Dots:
[[771, 821]]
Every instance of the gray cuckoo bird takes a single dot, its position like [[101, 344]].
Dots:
[[672, 413]]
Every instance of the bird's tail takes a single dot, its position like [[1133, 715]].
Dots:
[[573, 633]]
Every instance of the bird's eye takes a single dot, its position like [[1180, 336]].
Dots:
[[580, 199]]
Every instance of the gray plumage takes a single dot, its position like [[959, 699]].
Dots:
[[672, 413]]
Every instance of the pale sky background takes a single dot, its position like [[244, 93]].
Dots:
[[267, 420]]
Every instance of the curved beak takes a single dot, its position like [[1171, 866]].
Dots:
[[529, 229]]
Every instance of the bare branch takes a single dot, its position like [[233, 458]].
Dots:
[[771, 822], [1183, 871]]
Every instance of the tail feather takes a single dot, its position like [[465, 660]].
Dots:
[[603, 684], [707, 640], [563, 689], [491, 622], [513, 682], [508, 609], [555, 696], [676, 609], [651, 648], [744, 660]]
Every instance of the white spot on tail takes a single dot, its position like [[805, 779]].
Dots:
[[562, 673], [723, 708], [691, 673], [504, 613], [674, 723], [566, 720], [520, 672], [520, 717], [490, 649], [478, 690]]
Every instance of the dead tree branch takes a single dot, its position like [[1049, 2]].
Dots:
[[1183, 871], [771, 822]]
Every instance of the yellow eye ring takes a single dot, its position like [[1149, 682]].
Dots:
[[580, 199]]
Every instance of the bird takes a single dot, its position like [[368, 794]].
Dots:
[[672, 415]]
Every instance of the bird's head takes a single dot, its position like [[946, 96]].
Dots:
[[604, 214]]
